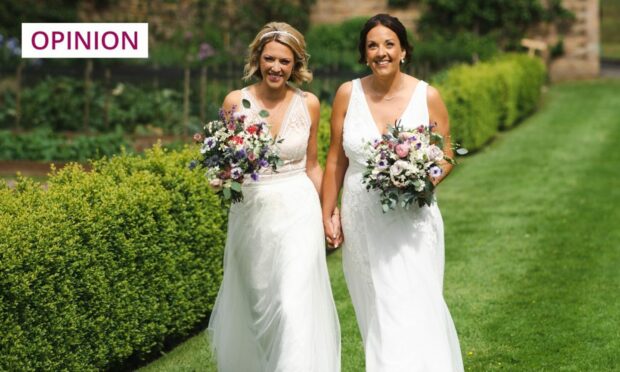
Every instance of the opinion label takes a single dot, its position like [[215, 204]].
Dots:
[[85, 40]]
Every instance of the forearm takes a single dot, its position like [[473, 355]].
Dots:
[[446, 168], [315, 173], [332, 182]]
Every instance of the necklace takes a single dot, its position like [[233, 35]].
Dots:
[[385, 97]]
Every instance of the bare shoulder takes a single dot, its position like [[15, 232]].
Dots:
[[232, 99], [311, 100], [411, 81], [343, 94], [432, 95]]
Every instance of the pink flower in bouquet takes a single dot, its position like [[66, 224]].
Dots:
[[251, 156], [402, 150], [198, 137]]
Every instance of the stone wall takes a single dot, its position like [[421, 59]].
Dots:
[[581, 59], [334, 11]]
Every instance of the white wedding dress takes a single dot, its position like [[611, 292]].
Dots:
[[275, 311], [393, 262]]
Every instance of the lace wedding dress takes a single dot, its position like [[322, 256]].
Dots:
[[393, 262], [275, 310]]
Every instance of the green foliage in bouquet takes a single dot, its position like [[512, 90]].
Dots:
[[106, 264]]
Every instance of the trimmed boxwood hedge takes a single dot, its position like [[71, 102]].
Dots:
[[489, 96], [106, 264]]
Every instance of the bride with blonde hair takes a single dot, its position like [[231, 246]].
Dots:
[[275, 310]]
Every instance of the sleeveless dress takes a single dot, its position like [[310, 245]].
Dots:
[[393, 262], [275, 310]]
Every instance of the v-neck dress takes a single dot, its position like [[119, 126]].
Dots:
[[393, 262], [275, 311]]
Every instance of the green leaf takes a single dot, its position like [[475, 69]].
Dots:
[[263, 113], [226, 192], [235, 186], [246, 103]]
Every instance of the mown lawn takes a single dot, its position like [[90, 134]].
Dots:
[[532, 246]]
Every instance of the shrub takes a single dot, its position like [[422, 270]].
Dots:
[[436, 52], [44, 145], [486, 97], [106, 264], [58, 103], [324, 133], [334, 46]]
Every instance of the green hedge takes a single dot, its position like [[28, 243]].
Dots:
[[58, 103], [489, 96], [324, 133], [106, 264], [45, 145]]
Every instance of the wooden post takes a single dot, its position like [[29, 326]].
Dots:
[[203, 94], [107, 99], [18, 95], [87, 93], [534, 46], [186, 100]]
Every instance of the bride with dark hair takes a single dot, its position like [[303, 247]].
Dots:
[[393, 262]]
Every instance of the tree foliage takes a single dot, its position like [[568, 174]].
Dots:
[[14, 12], [509, 20]]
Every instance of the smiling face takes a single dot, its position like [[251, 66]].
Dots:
[[383, 51], [276, 64]]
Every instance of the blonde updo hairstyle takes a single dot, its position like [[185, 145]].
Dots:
[[284, 34]]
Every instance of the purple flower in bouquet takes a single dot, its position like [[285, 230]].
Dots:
[[435, 171]]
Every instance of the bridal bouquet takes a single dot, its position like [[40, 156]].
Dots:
[[402, 165], [234, 149]]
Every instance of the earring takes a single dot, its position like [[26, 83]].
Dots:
[[402, 61], [367, 64]]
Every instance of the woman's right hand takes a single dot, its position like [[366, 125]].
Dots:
[[333, 230]]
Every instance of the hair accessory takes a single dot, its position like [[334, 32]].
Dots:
[[279, 32]]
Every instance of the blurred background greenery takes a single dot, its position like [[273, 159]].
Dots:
[[197, 49]]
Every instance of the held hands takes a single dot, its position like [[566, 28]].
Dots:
[[333, 230]]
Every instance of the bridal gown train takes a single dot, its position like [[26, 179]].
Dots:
[[393, 262], [275, 311]]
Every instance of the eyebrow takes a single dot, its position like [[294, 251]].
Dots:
[[373, 41]]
